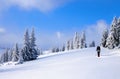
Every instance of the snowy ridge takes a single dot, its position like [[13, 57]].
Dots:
[[75, 64]]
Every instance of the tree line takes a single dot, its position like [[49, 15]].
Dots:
[[77, 42]]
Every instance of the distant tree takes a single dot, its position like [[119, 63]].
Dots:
[[1, 58], [76, 41], [4, 57], [53, 50], [68, 45], [63, 48], [20, 60], [71, 46], [83, 41], [33, 50], [92, 44], [57, 49]]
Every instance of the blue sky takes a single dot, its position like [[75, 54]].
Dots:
[[54, 20]]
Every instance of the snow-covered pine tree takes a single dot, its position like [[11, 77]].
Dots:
[[33, 50], [119, 30], [4, 57], [1, 58], [110, 41], [71, 46], [113, 38], [92, 44], [68, 45], [76, 41], [116, 30], [104, 37], [26, 49], [20, 60], [57, 49], [15, 55], [29, 51], [53, 50], [83, 41], [63, 48], [114, 22]]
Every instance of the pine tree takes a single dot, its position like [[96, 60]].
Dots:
[[76, 42], [119, 30], [63, 48], [26, 48], [6, 55], [20, 60], [29, 51], [104, 38], [57, 49], [15, 55], [33, 50], [83, 41], [53, 50], [113, 38], [1, 58], [71, 46], [114, 22], [110, 41], [92, 44], [68, 45]]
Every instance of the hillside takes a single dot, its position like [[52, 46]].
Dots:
[[76, 64]]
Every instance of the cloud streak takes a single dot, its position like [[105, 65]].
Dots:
[[42, 5], [94, 32], [2, 30]]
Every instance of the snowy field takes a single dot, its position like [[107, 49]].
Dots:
[[76, 64]]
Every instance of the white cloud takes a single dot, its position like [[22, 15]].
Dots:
[[59, 35], [42, 5], [94, 32], [2, 30], [9, 39], [50, 40]]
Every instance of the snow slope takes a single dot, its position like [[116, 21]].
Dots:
[[76, 64]]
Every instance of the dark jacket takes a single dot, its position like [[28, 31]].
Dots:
[[98, 49]]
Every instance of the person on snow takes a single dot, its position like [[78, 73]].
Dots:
[[98, 51]]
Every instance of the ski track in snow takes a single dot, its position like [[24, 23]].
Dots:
[[75, 64]]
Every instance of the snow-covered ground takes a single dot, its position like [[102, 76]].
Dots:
[[75, 64]]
